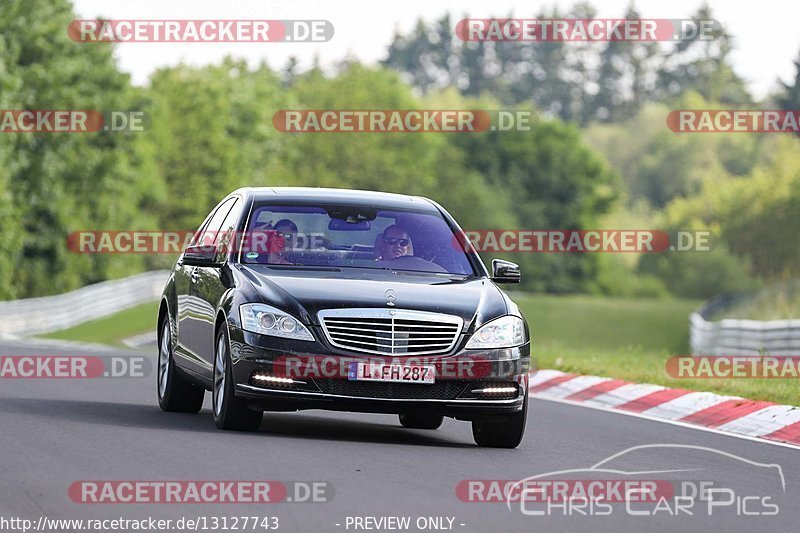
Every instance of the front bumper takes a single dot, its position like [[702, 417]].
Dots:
[[313, 375]]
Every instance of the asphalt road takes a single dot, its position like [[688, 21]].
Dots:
[[54, 432]]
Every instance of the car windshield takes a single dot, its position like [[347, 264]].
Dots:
[[353, 236]]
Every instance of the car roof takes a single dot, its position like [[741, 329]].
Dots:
[[335, 196]]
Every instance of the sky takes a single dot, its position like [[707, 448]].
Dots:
[[767, 37]]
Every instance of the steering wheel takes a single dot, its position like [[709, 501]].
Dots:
[[410, 262]]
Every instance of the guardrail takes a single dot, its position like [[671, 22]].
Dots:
[[34, 316], [731, 336]]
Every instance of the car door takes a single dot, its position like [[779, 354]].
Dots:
[[207, 288], [191, 310], [181, 276]]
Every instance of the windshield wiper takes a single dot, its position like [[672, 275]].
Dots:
[[425, 273], [303, 267]]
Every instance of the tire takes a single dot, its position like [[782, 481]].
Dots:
[[505, 434], [175, 393], [421, 421], [229, 411]]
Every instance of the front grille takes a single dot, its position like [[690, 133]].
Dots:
[[441, 390], [390, 331]]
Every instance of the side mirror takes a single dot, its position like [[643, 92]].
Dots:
[[505, 271], [202, 256]]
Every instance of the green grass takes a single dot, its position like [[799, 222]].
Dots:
[[631, 340], [601, 323], [113, 328]]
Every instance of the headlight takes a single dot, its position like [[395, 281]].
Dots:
[[266, 320], [503, 332]]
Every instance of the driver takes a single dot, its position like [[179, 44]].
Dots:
[[394, 243]]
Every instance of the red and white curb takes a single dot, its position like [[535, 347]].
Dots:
[[726, 414]]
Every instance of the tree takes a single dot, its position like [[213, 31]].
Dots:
[[555, 182], [414, 55], [576, 81], [790, 99], [62, 182], [703, 66], [658, 165], [213, 129], [754, 226], [625, 77]]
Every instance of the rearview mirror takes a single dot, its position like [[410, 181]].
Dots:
[[338, 224], [505, 271], [202, 256]]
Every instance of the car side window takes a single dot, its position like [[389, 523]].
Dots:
[[227, 231], [199, 231], [209, 234]]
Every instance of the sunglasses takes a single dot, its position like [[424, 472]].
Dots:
[[394, 240]]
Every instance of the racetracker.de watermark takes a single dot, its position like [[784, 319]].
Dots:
[[200, 31], [69, 121], [561, 490], [474, 366], [403, 120], [381, 121], [583, 241], [175, 242], [587, 29], [734, 121], [199, 491], [733, 367], [73, 366]]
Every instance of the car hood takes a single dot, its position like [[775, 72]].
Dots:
[[304, 293]]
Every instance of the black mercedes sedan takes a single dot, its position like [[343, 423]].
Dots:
[[305, 298]]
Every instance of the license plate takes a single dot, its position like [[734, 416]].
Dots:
[[390, 373]]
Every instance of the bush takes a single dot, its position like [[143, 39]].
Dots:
[[616, 278], [699, 274]]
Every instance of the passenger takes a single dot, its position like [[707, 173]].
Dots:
[[281, 239]]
